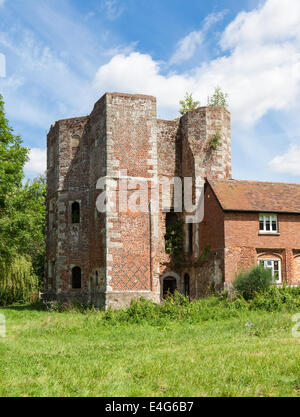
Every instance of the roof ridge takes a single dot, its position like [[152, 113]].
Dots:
[[252, 181]]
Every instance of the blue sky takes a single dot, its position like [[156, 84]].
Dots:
[[62, 55]]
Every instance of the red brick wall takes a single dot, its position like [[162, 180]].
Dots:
[[244, 244]]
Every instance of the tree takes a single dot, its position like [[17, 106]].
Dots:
[[12, 159], [219, 98], [188, 104], [22, 211]]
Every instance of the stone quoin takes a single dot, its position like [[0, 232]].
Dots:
[[110, 258]]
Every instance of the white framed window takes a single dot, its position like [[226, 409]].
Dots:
[[268, 223], [275, 266]]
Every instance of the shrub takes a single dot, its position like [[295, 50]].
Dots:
[[18, 283], [257, 280], [277, 299]]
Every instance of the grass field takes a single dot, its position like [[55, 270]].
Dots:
[[77, 354]]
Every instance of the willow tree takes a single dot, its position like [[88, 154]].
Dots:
[[22, 212]]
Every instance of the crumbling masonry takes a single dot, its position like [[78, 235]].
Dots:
[[108, 259]]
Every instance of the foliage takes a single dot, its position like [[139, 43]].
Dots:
[[203, 257], [257, 280], [219, 98], [188, 104], [277, 299], [179, 308], [22, 207], [215, 141], [12, 159], [18, 283], [174, 240]]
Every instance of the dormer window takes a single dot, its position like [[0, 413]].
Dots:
[[268, 223]]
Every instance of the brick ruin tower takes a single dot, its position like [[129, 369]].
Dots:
[[109, 258]]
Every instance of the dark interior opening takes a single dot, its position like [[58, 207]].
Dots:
[[190, 230], [76, 277], [76, 212], [169, 286], [187, 285]]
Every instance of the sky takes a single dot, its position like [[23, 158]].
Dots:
[[58, 57]]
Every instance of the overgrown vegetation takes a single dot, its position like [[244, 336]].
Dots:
[[179, 308], [219, 98], [215, 141], [22, 213], [249, 283], [210, 347], [203, 256], [174, 240], [188, 104]]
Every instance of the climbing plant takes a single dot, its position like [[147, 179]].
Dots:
[[174, 240], [215, 141]]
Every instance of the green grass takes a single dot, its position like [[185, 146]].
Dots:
[[78, 354]]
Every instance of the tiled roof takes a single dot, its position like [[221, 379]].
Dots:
[[235, 195]]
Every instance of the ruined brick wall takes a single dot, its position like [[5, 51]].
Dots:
[[198, 127], [244, 245], [122, 254], [131, 151], [66, 244], [201, 160]]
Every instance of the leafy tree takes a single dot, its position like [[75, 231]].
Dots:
[[12, 159], [22, 211], [219, 98], [188, 104]]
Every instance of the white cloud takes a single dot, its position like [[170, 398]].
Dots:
[[113, 9], [55, 90], [273, 22], [260, 67], [1, 2], [288, 163], [186, 47], [139, 73], [37, 162]]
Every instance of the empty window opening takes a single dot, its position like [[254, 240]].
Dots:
[[75, 141], [190, 238], [97, 279], [51, 155], [52, 214], [76, 277], [171, 219], [169, 286], [75, 212], [51, 274], [187, 285]]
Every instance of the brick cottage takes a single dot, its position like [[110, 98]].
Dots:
[[109, 258]]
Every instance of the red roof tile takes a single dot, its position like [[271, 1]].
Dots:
[[235, 195]]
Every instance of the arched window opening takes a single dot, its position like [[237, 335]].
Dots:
[[75, 212], [97, 279], [187, 285], [169, 286], [76, 277]]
